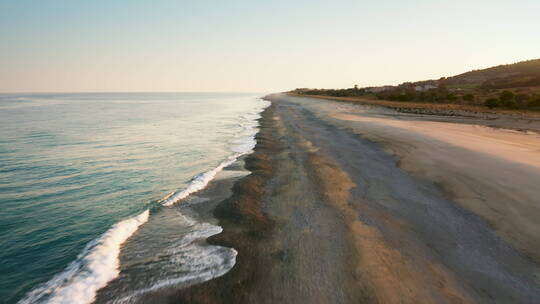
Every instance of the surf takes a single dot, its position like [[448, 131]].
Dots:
[[99, 262], [243, 143], [97, 265]]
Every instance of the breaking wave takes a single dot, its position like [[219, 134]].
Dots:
[[93, 269], [199, 182], [190, 260], [242, 144]]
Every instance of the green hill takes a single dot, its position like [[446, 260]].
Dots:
[[521, 74]]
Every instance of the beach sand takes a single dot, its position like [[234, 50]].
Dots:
[[350, 203]]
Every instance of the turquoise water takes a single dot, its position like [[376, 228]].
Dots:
[[73, 165]]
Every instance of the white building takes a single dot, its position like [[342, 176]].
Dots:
[[424, 88]]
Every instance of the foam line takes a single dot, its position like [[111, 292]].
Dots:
[[244, 144], [197, 263], [199, 182], [96, 266]]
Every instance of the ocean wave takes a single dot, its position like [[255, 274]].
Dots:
[[243, 143], [244, 140], [93, 269], [190, 260], [98, 263], [199, 182]]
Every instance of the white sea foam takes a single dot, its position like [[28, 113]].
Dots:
[[190, 260], [199, 182], [242, 144], [93, 269], [166, 197], [244, 141]]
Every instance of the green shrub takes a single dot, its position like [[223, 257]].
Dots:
[[534, 103], [468, 97], [403, 97], [522, 100], [506, 96], [512, 104], [492, 103]]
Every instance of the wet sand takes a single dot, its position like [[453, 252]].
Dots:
[[357, 204]]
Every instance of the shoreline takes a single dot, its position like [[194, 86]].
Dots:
[[302, 236], [244, 226]]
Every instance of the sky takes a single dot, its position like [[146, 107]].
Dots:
[[254, 46]]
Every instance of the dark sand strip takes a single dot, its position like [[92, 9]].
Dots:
[[294, 246], [246, 227]]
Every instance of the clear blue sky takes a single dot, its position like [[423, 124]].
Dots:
[[135, 45]]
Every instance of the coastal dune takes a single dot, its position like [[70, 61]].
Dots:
[[359, 204]]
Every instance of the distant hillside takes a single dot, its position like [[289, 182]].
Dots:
[[512, 86], [521, 74]]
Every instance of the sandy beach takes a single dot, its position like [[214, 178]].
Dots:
[[352, 203], [197, 152]]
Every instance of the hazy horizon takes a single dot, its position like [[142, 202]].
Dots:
[[238, 46]]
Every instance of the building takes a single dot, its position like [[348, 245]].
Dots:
[[424, 88]]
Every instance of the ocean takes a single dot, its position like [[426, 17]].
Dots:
[[98, 191]]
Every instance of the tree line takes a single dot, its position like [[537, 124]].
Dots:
[[407, 93]]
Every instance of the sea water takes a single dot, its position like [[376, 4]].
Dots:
[[82, 173]]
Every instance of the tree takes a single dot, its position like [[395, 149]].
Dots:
[[512, 104], [507, 99], [506, 96], [522, 100]]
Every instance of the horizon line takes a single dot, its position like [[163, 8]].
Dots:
[[122, 92]]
